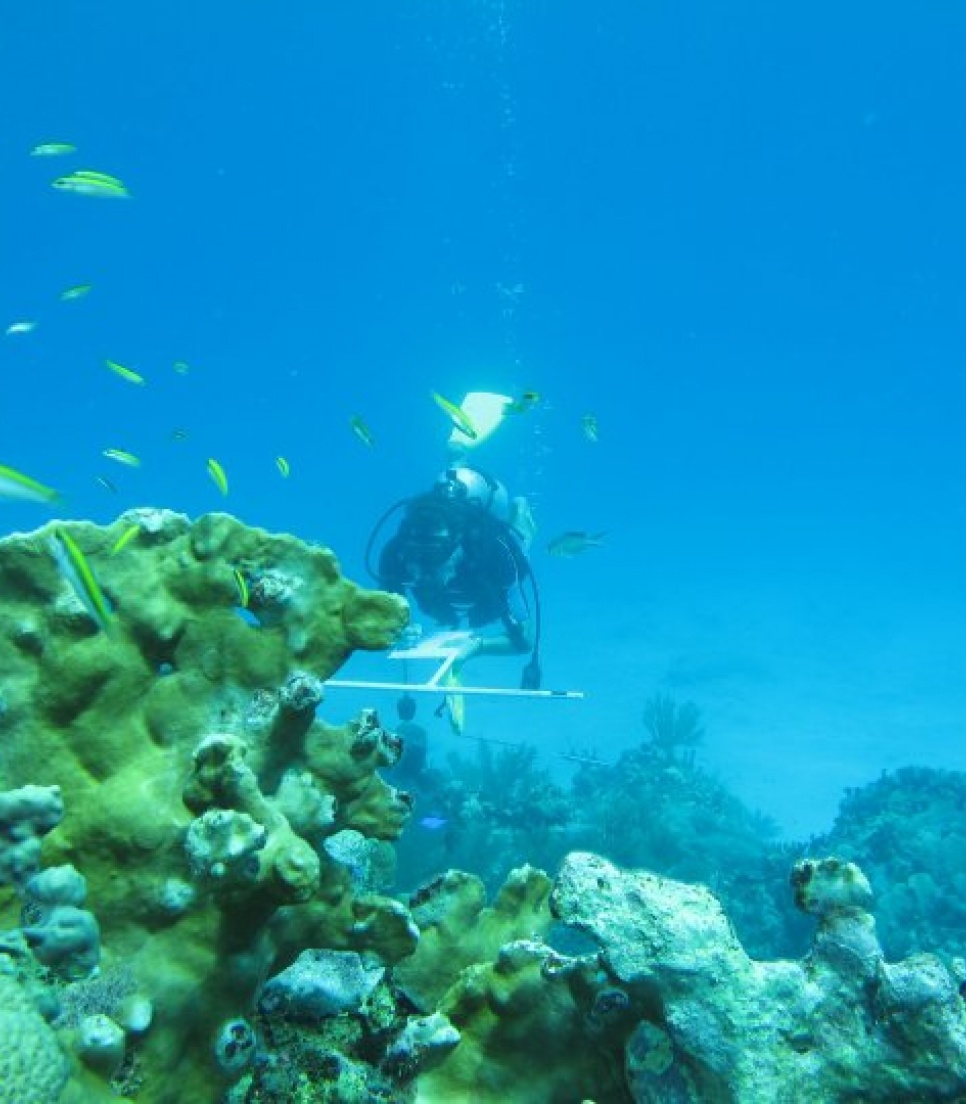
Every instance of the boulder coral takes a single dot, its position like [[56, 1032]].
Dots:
[[173, 724]]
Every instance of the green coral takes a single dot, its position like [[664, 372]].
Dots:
[[33, 1067], [458, 929], [184, 697], [490, 969]]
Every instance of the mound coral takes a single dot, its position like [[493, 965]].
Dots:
[[178, 731]]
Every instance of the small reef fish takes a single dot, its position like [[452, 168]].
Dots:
[[284, 467], [182, 367], [16, 485], [432, 823], [122, 457], [20, 328], [361, 430], [574, 542], [527, 401], [76, 292], [77, 571], [125, 373], [90, 183], [53, 149], [241, 585], [106, 483], [217, 473], [179, 435], [588, 425], [125, 539], [460, 419]]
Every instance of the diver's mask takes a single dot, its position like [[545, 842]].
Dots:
[[472, 487], [429, 539]]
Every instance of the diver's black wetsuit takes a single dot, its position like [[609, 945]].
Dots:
[[460, 565]]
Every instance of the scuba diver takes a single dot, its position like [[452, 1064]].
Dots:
[[414, 761], [460, 553]]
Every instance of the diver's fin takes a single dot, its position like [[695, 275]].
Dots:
[[486, 410], [455, 705]]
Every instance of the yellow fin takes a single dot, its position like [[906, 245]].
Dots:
[[455, 704]]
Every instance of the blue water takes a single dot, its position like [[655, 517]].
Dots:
[[735, 233]]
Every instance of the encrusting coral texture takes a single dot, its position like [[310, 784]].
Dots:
[[195, 783]]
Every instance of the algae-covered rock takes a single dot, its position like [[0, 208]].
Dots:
[[179, 733], [664, 1006], [842, 1025]]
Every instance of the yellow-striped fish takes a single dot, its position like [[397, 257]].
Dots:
[[217, 473], [182, 367], [77, 571], [16, 485], [122, 457], [92, 174], [588, 426], [361, 430], [125, 539], [90, 183], [20, 328], [53, 149], [125, 373], [241, 585], [76, 292], [458, 416], [284, 467]]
